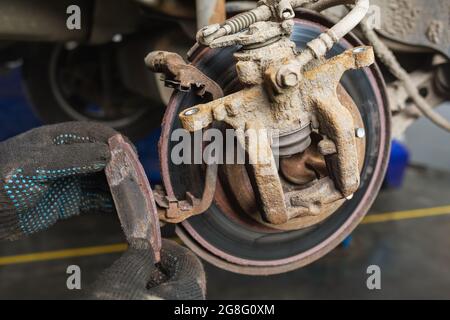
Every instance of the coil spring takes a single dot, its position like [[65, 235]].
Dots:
[[241, 21]]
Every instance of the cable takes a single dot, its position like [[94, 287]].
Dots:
[[319, 46], [388, 58]]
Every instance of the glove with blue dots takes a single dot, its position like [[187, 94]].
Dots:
[[52, 173]]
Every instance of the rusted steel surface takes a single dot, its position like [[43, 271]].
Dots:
[[182, 76], [335, 121], [265, 173], [416, 23], [404, 110], [132, 195], [287, 111], [304, 167], [172, 210], [287, 98], [195, 238]]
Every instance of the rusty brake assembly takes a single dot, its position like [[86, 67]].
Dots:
[[293, 98]]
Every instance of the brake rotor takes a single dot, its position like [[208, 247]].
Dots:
[[229, 235]]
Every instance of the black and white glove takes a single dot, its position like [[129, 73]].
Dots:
[[55, 172], [134, 276]]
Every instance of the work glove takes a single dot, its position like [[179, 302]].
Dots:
[[55, 172], [51, 173], [134, 276]]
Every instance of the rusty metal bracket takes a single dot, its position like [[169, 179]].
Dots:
[[132, 195], [172, 210], [335, 121], [182, 76]]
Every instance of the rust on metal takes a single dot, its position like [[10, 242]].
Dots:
[[293, 100], [132, 195], [172, 210], [240, 183], [182, 76], [265, 173], [305, 167], [289, 110]]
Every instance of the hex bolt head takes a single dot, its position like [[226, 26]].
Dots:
[[360, 133], [289, 80], [288, 76]]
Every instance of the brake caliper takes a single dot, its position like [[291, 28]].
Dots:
[[305, 145]]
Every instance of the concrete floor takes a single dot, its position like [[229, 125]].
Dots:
[[413, 254]]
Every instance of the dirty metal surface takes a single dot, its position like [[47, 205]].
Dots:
[[172, 210], [182, 76], [284, 97], [241, 252], [316, 94], [336, 121], [132, 195], [416, 23], [404, 111], [304, 169]]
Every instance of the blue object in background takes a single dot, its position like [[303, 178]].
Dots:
[[17, 116], [398, 163], [347, 242], [148, 153]]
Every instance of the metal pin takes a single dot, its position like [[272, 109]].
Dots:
[[360, 133]]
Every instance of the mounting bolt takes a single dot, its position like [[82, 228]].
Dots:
[[289, 80], [360, 133], [288, 76]]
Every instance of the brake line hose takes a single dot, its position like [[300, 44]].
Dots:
[[319, 46]]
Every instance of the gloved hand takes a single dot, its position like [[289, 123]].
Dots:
[[55, 172], [51, 173], [134, 276]]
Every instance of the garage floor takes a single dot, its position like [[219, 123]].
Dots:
[[411, 247]]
